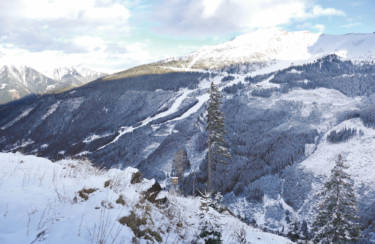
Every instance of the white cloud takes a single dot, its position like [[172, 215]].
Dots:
[[319, 11], [65, 32], [207, 17], [111, 13], [100, 60], [209, 7], [82, 10], [95, 32], [90, 43]]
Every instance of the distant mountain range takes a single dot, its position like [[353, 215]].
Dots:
[[19, 81]]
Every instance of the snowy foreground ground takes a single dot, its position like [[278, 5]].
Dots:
[[72, 202]]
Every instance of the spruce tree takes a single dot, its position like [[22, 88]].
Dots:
[[218, 153], [337, 220]]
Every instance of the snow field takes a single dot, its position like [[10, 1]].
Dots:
[[72, 202], [358, 153]]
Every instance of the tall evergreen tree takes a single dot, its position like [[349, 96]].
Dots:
[[218, 153], [337, 220]]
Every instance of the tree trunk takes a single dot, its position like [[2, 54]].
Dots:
[[209, 169]]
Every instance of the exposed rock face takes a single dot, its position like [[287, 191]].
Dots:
[[19, 81]]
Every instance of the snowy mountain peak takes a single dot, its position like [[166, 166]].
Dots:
[[276, 45], [17, 81], [22, 73], [80, 72], [266, 44]]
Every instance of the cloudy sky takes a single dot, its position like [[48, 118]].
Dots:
[[112, 35]]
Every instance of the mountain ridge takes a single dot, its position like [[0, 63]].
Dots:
[[272, 48], [17, 81]]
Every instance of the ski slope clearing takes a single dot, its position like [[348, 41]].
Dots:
[[72, 202]]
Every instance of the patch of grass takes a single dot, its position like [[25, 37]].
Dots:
[[151, 235], [136, 178], [107, 183], [136, 223], [106, 204], [120, 200], [85, 192]]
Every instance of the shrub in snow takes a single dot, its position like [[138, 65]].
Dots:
[[104, 230], [107, 183], [106, 204], [153, 192], [240, 236], [120, 200], [136, 178], [140, 223], [85, 192]]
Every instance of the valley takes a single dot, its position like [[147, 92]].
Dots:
[[283, 111]]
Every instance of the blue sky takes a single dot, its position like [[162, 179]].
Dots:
[[112, 35], [359, 17]]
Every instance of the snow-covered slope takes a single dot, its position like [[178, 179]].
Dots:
[[353, 46], [263, 51], [73, 202], [259, 46], [358, 152]]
